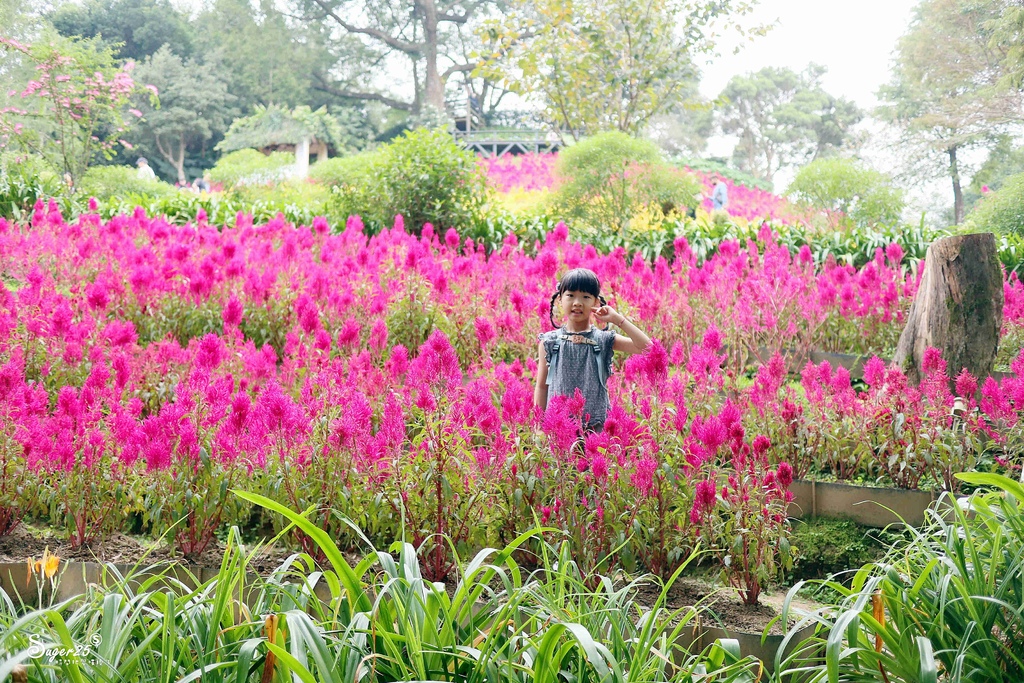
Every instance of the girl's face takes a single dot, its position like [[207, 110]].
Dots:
[[577, 306]]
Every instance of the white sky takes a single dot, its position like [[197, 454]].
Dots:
[[855, 40]]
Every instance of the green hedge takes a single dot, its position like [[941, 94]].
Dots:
[[1000, 212], [350, 170], [609, 178], [105, 182], [250, 166]]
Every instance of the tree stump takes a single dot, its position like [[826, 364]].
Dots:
[[958, 308]]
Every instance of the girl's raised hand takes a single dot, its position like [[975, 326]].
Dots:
[[606, 314]]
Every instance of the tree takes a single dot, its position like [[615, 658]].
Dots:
[[783, 118], [424, 32], [611, 65], [1007, 38], [140, 27], [74, 108], [194, 106], [683, 130], [265, 57], [948, 100], [848, 192], [1005, 159]]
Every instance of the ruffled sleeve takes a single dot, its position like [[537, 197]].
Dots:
[[549, 339]]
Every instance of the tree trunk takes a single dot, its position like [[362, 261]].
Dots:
[[433, 88], [958, 195], [958, 308], [179, 163]]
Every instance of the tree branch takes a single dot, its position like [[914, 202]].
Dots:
[[355, 95], [445, 11], [456, 68], [386, 38]]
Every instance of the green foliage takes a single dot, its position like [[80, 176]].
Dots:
[[195, 105], [24, 178], [275, 125], [949, 100], [831, 546], [610, 65], [424, 176], [74, 108], [325, 621], [107, 182], [266, 57], [718, 166], [849, 192], [947, 598], [610, 177], [1004, 160], [139, 27], [1000, 212], [349, 170], [301, 193], [249, 166], [783, 118]]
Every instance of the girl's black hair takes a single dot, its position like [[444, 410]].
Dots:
[[576, 280]]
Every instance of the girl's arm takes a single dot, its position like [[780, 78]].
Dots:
[[540, 389]]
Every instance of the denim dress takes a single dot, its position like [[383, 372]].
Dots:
[[581, 360]]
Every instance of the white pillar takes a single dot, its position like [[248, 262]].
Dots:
[[302, 159]]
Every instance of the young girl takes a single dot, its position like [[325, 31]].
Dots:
[[577, 355]]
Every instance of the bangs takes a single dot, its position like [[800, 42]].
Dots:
[[580, 280]]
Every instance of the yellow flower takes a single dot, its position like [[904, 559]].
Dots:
[[50, 564]]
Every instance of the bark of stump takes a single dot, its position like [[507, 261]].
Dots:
[[958, 308]]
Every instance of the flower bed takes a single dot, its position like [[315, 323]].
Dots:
[[148, 369]]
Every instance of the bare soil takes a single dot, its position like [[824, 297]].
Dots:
[[28, 542], [721, 604]]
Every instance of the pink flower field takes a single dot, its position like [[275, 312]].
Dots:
[[147, 369], [531, 172]]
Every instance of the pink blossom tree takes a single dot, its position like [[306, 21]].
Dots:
[[74, 108]]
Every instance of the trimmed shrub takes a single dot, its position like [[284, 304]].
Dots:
[[425, 176], [829, 545], [350, 170], [850, 193], [104, 182], [250, 166], [1000, 212], [609, 178], [302, 194]]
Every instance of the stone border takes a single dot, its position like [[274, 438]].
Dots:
[[865, 505]]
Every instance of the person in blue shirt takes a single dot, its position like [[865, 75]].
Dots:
[[720, 195]]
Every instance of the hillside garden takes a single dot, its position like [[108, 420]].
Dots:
[[187, 371]]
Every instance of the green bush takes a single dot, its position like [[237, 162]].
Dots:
[[104, 182], [423, 175], [350, 170], [609, 178], [1000, 212], [24, 178], [299, 193], [250, 166], [853, 194], [832, 545]]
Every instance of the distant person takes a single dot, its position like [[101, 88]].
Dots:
[[201, 184], [720, 196], [145, 171]]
